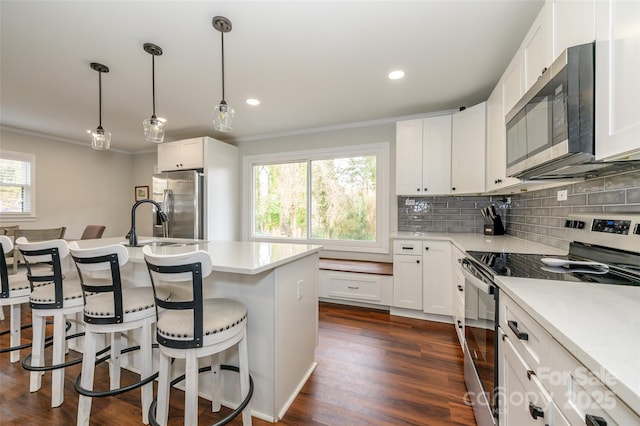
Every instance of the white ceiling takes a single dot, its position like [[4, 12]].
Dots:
[[311, 63]]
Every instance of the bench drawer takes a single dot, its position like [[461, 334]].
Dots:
[[368, 288]]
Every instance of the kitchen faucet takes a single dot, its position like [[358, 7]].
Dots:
[[133, 238]]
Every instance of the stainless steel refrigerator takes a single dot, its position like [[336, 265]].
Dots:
[[180, 195]]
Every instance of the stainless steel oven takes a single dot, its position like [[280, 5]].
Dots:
[[480, 332]]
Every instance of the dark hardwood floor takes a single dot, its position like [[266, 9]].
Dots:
[[373, 369]]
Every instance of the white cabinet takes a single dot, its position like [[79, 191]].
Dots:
[[351, 286], [458, 296], [423, 156], [181, 155], [468, 150], [513, 82], [436, 278], [407, 274], [537, 46], [496, 177], [617, 80], [573, 23]]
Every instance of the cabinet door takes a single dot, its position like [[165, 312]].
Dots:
[[617, 81], [573, 24], [468, 150], [436, 278], [407, 281], [169, 156], [537, 47], [513, 83], [192, 154], [436, 155], [523, 400], [409, 157]]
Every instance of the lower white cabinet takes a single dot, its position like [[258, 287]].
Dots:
[[437, 297], [367, 288], [458, 290], [540, 382], [407, 281]]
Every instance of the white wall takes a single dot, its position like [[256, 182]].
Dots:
[[337, 138], [77, 186]]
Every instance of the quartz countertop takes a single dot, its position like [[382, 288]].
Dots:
[[481, 242], [240, 257], [599, 324]]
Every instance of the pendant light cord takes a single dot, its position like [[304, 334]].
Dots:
[[153, 82], [99, 99], [222, 34]]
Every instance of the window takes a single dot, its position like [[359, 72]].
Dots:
[[17, 185], [337, 198]]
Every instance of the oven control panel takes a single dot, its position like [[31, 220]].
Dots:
[[611, 226], [615, 230]]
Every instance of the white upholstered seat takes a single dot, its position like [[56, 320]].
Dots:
[[193, 329]]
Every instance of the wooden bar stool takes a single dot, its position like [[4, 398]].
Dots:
[[113, 308], [193, 329], [52, 295], [14, 291]]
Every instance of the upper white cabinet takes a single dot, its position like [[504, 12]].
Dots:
[[468, 144], [537, 46], [617, 80], [181, 155], [497, 143], [512, 84], [573, 23], [423, 155]]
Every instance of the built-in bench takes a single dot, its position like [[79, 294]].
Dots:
[[365, 281]]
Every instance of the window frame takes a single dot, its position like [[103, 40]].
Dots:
[[380, 150], [31, 159]]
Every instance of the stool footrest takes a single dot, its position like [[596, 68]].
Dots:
[[111, 392], [26, 361], [26, 345], [228, 418]]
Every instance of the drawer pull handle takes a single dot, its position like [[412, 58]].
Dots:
[[460, 288], [530, 373], [591, 420], [520, 334], [459, 324], [535, 411], [407, 248], [353, 287]]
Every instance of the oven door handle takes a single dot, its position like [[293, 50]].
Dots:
[[475, 281]]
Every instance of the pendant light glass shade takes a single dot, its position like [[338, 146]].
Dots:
[[222, 113], [153, 126], [100, 139]]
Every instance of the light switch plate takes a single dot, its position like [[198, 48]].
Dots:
[[562, 195]]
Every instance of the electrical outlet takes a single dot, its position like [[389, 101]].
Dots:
[[409, 202], [562, 195], [300, 289]]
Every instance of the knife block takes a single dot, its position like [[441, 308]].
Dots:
[[495, 227]]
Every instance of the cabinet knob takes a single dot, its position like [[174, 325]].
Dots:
[[453, 189], [425, 190], [417, 261], [418, 189], [460, 288], [426, 248], [544, 70], [498, 180]]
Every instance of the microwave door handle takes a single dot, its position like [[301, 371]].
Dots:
[[482, 286]]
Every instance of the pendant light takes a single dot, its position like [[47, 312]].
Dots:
[[154, 126], [100, 139], [222, 113]]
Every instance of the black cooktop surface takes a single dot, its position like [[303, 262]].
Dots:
[[531, 266]]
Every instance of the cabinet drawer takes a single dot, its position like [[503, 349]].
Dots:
[[579, 393], [364, 287], [531, 341], [407, 247]]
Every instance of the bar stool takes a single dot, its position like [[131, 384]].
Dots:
[[192, 329], [14, 291], [111, 307], [52, 294]]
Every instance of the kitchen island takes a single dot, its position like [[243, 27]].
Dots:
[[278, 283]]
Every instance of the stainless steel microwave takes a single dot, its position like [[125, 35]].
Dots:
[[550, 132]]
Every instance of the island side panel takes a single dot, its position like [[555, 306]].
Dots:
[[257, 293], [296, 327]]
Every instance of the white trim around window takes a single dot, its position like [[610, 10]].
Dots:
[[28, 183], [380, 150]]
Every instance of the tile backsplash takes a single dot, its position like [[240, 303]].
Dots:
[[536, 216]]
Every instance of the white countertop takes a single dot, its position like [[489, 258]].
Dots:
[[599, 324], [240, 257], [481, 242]]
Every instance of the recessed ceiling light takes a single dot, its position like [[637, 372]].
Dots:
[[394, 75], [253, 102]]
